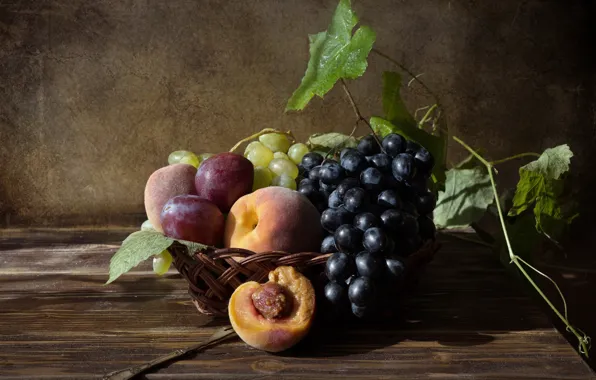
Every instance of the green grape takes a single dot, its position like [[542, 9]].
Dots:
[[260, 156], [284, 180], [203, 157], [277, 142], [279, 166], [262, 178], [281, 155], [190, 159], [178, 155], [162, 262], [297, 151], [252, 146], [147, 226]]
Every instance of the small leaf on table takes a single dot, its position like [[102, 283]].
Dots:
[[334, 54], [467, 195]]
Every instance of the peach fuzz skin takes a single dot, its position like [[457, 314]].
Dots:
[[273, 335], [274, 219]]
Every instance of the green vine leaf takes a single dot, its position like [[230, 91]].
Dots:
[[334, 54], [136, 248], [323, 142], [435, 144], [140, 246], [466, 197], [393, 106], [540, 189]]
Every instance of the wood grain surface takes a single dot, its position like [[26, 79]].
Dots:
[[467, 320]]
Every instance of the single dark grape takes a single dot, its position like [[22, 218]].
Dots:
[[308, 190], [311, 159], [406, 192], [403, 167], [409, 225], [371, 179], [395, 268], [392, 220], [370, 264], [427, 228], [366, 220], [340, 267], [412, 147], [389, 199], [314, 173], [334, 201], [424, 160], [394, 144], [355, 199], [346, 151], [382, 162], [336, 294], [368, 146], [362, 312], [308, 181], [348, 238], [362, 292], [346, 185], [328, 245], [332, 218], [354, 162], [374, 240], [426, 203], [331, 173]]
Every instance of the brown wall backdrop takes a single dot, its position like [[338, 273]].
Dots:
[[95, 94]]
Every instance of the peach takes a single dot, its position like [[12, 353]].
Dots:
[[164, 184], [273, 316], [274, 219]]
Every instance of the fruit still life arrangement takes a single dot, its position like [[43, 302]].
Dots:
[[340, 225]]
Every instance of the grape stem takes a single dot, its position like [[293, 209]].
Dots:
[[358, 114], [406, 70], [260, 133], [528, 154], [583, 339]]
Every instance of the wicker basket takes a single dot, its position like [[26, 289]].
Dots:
[[214, 274]]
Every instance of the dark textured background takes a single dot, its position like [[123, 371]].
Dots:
[[95, 94]]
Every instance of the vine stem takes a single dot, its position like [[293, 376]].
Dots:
[[521, 155], [405, 69], [584, 340], [358, 114], [260, 133]]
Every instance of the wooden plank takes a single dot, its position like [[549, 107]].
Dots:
[[467, 320]]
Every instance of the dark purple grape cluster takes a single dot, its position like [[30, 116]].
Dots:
[[376, 207]]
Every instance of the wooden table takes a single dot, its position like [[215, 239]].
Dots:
[[58, 321]]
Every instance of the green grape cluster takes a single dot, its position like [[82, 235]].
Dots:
[[187, 157], [275, 160]]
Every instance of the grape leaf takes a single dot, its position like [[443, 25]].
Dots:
[[140, 246], [326, 141], [393, 106], [467, 195], [136, 248], [334, 54], [540, 188], [434, 144]]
